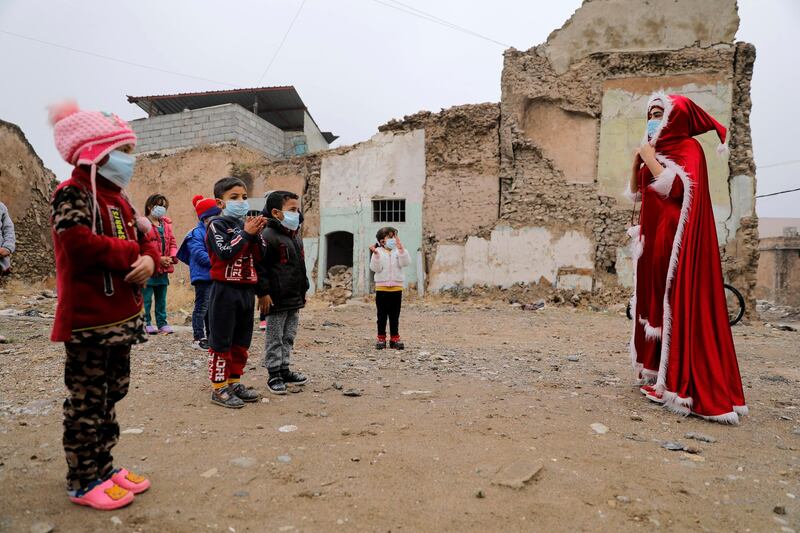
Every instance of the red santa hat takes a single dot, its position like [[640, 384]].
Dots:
[[684, 118], [205, 207]]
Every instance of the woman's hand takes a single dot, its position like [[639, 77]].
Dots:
[[647, 153]]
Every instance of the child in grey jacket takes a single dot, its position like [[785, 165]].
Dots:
[[8, 241]]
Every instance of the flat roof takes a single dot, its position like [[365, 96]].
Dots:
[[280, 106]]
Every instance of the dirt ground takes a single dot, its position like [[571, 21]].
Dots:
[[484, 396]]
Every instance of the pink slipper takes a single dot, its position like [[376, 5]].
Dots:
[[130, 481], [106, 496], [151, 330]]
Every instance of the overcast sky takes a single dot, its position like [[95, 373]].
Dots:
[[355, 63]]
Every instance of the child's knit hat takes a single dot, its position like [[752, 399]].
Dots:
[[86, 137], [205, 207]]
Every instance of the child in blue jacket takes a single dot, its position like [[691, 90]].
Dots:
[[194, 253]]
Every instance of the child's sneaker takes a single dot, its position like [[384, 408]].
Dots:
[[104, 495], [262, 325], [381, 344], [130, 481], [244, 393], [226, 398], [397, 345], [276, 385], [198, 345], [294, 378], [150, 330], [166, 330]]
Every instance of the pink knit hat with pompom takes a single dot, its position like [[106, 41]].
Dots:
[[86, 137]]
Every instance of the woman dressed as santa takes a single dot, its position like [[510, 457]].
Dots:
[[681, 346]]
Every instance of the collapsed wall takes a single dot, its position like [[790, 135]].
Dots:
[[25, 188]]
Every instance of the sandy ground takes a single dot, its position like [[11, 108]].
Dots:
[[485, 396]]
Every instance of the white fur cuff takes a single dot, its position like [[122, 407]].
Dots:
[[663, 183]]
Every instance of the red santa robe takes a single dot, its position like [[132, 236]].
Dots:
[[681, 336]]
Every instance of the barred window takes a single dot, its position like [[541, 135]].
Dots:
[[388, 210]]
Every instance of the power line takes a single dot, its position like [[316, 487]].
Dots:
[[777, 193], [285, 35], [780, 164], [116, 59], [436, 20]]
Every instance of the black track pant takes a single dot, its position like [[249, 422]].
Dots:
[[389, 304]]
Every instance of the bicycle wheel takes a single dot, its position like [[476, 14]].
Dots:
[[735, 302]]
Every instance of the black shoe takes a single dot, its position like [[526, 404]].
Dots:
[[276, 385], [204, 344], [380, 345], [226, 398], [243, 393], [397, 345], [294, 378]]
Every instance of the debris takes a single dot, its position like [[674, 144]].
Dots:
[[241, 494], [534, 306], [784, 327], [599, 428], [636, 418], [699, 436], [209, 473], [284, 459], [338, 386], [43, 527], [329, 324], [517, 474], [573, 358], [672, 446], [338, 285], [133, 431], [480, 494], [116, 521], [411, 392], [264, 400], [352, 393], [244, 462], [779, 509], [287, 429]]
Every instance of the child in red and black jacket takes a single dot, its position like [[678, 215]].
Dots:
[[235, 247], [102, 262]]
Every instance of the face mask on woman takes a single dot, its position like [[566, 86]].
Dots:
[[118, 169], [390, 244], [652, 126], [291, 220], [159, 211], [236, 208]]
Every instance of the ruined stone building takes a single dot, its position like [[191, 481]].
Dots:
[[779, 261], [25, 187], [524, 191]]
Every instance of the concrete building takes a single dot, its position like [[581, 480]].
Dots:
[[271, 120]]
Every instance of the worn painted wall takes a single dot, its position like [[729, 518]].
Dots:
[[390, 165], [510, 256], [612, 25], [779, 270]]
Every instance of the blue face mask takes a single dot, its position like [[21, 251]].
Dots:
[[118, 169], [291, 220], [390, 244], [236, 208], [652, 126], [159, 211]]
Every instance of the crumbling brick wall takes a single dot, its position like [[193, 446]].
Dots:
[[26, 187], [462, 166]]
